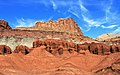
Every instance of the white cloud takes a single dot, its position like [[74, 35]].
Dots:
[[29, 22], [117, 30], [82, 7], [91, 22], [80, 11], [75, 11], [109, 18], [25, 22], [110, 27], [54, 5]]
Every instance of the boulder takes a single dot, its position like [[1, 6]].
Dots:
[[114, 48], [23, 49], [5, 50]]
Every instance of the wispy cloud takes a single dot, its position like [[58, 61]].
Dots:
[[91, 22], [79, 10], [29, 22], [117, 30], [109, 18], [75, 11], [110, 27], [25, 22], [82, 7], [53, 4]]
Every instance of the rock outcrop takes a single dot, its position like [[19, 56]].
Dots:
[[62, 25], [5, 50], [112, 39], [23, 49], [4, 25], [56, 47], [41, 62], [63, 29], [59, 47]]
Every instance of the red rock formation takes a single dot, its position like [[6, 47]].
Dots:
[[95, 48], [58, 57], [41, 62], [63, 29], [40, 52], [99, 48], [57, 47], [23, 49], [4, 25], [63, 25], [5, 50]]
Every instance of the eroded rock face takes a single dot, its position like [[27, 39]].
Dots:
[[5, 50], [99, 48], [56, 47], [63, 29], [115, 48], [59, 47], [4, 25], [62, 25], [23, 49]]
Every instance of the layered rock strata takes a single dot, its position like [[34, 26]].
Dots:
[[110, 38], [63, 29]]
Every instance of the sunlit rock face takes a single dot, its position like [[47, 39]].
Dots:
[[4, 25], [110, 38], [63, 25]]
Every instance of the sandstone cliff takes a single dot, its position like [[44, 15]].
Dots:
[[62, 25], [109, 38], [63, 29]]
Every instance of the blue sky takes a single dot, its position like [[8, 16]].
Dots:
[[94, 17]]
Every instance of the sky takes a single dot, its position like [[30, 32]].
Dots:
[[94, 17]]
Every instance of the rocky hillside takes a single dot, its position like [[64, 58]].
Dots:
[[109, 38], [64, 29], [41, 62], [56, 48]]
